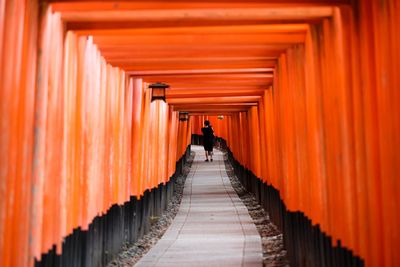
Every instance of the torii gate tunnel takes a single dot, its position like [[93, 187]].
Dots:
[[309, 91]]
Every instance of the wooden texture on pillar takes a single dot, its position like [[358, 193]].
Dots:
[[308, 90]]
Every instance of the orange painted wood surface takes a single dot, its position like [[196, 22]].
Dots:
[[308, 90], [330, 134]]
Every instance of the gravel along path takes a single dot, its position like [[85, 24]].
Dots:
[[274, 253], [132, 253]]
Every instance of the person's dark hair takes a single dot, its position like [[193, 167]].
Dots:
[[206, 123]]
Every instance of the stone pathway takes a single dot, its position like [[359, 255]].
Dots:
[[212, 227]]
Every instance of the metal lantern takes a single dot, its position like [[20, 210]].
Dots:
[[183, 116], [158, 91], [220, 117]]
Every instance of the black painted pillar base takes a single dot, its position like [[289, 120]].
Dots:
[[306, 244], [121, 225]]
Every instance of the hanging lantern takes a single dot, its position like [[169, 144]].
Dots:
[[183, 116], [220, 117], [158, 91]]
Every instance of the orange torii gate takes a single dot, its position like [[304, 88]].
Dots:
[[308, 90]]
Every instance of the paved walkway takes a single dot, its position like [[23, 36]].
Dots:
[[212, 227]]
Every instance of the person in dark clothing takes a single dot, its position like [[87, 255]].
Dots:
[[208, 137]]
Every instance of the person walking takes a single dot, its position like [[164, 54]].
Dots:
[[208, 138]]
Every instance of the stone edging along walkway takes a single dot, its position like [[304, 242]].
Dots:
[[272, 243], [132, 253], [212, 227]]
